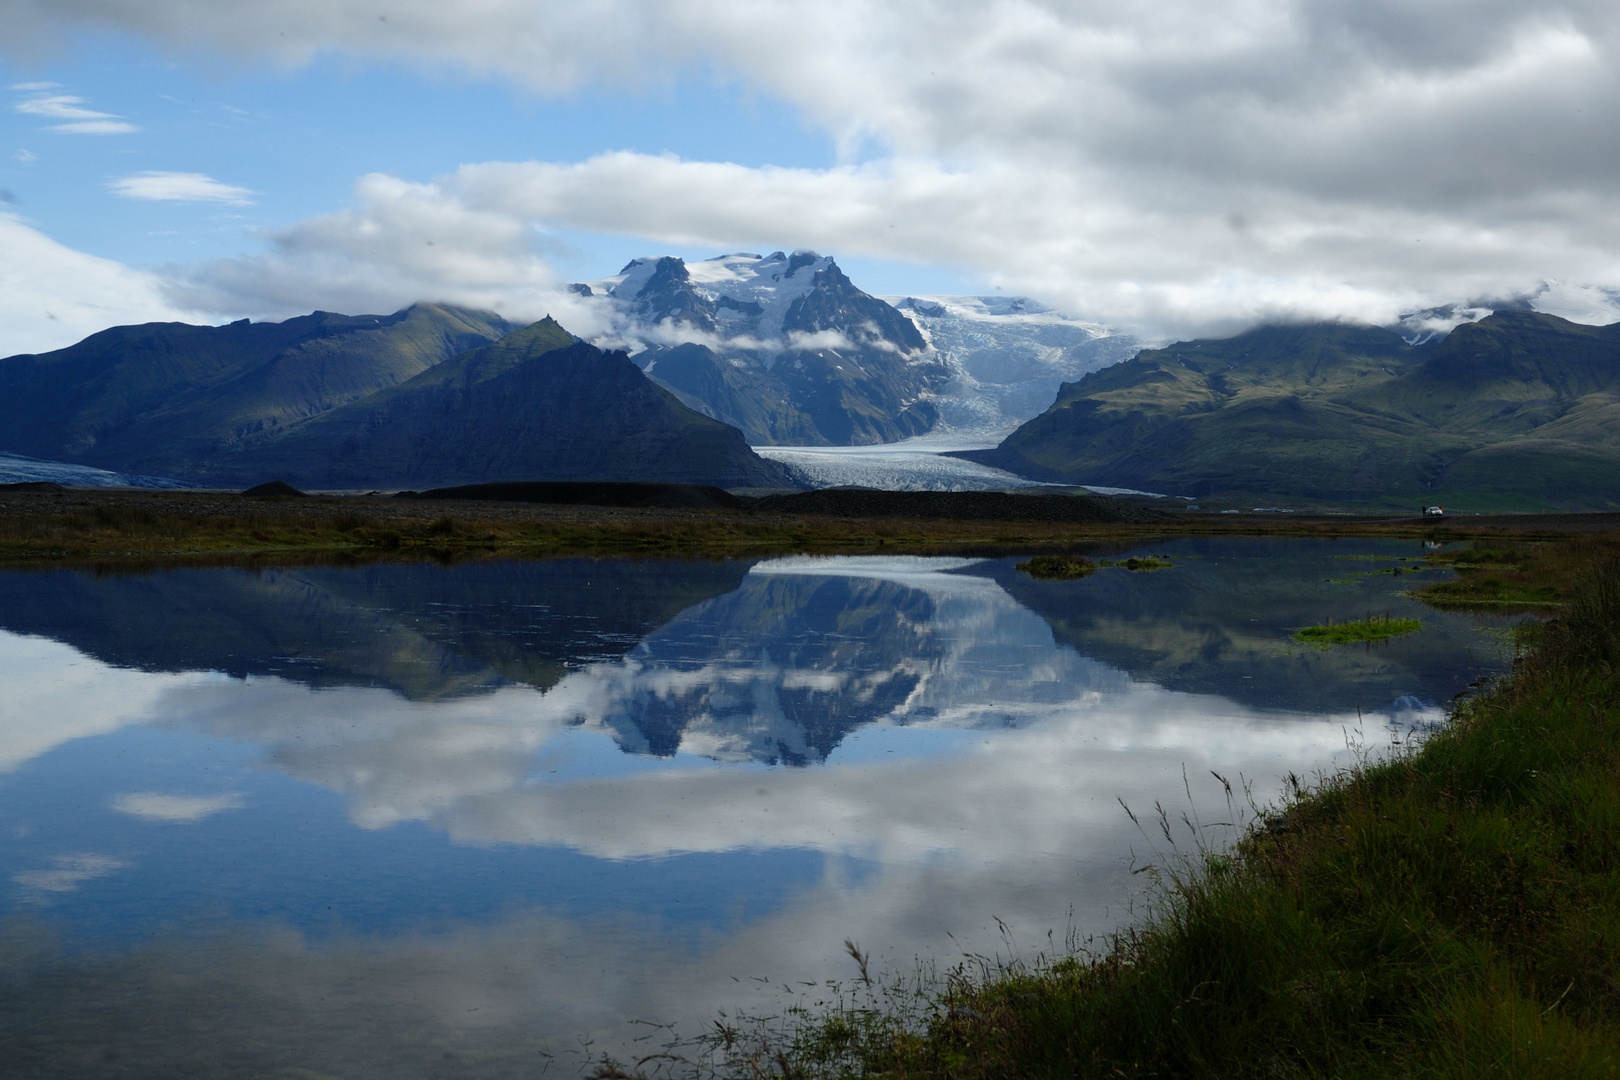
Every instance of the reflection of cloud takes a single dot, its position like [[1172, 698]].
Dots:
[[468, 768], [807, 653], [55, 694], [998, 802], [67, 873], [983, 806], [174, 809]]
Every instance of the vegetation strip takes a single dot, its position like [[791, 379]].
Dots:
[[52, 524], [1372, 628], [1451, 911]]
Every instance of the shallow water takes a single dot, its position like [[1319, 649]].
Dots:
[[482, 820]]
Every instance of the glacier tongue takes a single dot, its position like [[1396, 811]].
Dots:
[[917, 464], [16, 469], [1007, 356]]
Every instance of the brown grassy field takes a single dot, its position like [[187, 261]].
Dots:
[[102, 524]]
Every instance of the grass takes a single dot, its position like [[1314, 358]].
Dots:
[[1140, 563], [1372, 628], [1502, 573], [1450, 911], [187, 525], [1074, 567], [1058, 567]]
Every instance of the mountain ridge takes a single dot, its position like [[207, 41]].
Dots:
[[536, 405], [329, 400], [149, 398], [1520, 407]]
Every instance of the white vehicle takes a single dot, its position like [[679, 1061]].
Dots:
[[1434, 511]]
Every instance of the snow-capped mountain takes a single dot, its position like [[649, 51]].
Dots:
[[783, 346], [788, 349], [1007, 356]]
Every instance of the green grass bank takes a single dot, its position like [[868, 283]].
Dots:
[[1449, 911]]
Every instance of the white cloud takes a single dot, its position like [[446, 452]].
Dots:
[[174, 809], [1171, 167], [27, 157], [403, 242], [821, 339], [52, 296], [78, 120], [179, 187]]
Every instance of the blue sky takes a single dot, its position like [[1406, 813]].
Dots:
[[1168, 169], [297, 138]]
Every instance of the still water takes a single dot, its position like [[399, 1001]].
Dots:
[[493, 819]]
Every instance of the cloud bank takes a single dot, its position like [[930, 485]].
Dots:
[[52, 296], [1172, 168]]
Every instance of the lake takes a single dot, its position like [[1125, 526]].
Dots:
[[495, 818]]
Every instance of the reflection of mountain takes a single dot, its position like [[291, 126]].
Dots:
[[802, 655], [784, 668], [421, 630], [778, 663], [1221, 622]]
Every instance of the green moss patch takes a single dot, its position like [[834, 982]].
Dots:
[[1372, 628]]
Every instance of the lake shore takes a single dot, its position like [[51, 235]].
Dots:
[[76, 524], [1452, 910]]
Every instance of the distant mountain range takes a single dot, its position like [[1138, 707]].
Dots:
[[430, 395], [787, 349], [1520, 409], [1517, 411]]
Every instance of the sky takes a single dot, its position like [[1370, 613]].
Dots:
[[1171, 169]]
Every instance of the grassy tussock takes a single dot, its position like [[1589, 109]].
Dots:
[[1372, 628], [1453, 911], [1058, 567]]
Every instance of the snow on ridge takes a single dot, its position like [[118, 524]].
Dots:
[[733, 283]]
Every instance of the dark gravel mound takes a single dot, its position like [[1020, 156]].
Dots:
[[961, 506], [275, 489], [49, 487], [584, 493]]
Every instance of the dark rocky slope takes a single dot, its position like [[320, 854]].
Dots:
[[536, 406], [168, 398]]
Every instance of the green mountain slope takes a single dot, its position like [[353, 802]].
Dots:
[[167, 397], [536, 405], [1520, 409]]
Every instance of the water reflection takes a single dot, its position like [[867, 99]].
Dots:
[[426, 821]]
